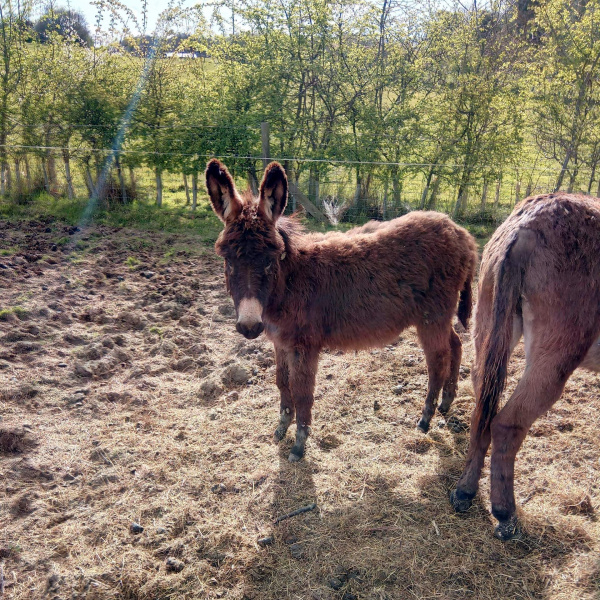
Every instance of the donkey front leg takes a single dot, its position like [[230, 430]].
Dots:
[[287, 408], [302, 374]]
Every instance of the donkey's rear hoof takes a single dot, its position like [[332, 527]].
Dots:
[[508, 530], [460, 502], [423, 425]]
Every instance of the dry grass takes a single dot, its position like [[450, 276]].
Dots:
[[139, 427]]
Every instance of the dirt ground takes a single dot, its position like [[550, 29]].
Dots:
[[137, 462]]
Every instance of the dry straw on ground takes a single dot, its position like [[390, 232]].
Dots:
[[118, 407]]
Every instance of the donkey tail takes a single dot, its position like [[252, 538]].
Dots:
[[465, 304], [492, 362]]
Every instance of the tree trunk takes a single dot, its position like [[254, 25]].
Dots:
[[484, 197], [194, 190], [89, 182], [563, 170], [426, 189], [28, 173], [572, 178], [366, 186], [132, 182], [313, 184], [159, 186], [517, 192], [51, 170], [434, 190], [463, 193], [358, 186], [396, 188], [45, 173], [497, 196], [50, 162], [121, 180], [461, 202], [385, 194], [187, 190], [7, 177], [19, 187], [98, 167], [592, 177], [67, 162]]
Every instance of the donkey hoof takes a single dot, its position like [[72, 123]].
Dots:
[[443, 409], [293, 457], [508, 530], [279, 434], [460, 504], [296, 453], [423, 425]]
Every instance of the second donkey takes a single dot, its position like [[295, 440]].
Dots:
[[344, 291]]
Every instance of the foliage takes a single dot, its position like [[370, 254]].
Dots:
[[368, 96], [69, 24]]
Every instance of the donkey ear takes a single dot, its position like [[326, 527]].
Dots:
[[273, 191], [221, 190]]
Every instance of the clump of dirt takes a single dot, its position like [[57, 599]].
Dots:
[[14, 440], [577, 504]]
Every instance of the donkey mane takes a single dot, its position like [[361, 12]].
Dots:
[[290, 229]]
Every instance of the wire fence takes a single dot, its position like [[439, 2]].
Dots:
[[327, 188]]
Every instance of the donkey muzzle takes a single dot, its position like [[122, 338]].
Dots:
[[250, 331], [249, 322]]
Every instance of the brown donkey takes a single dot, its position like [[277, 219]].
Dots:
[[540, 277], [343, 291]]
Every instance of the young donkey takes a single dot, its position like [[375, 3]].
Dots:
[[540, 277], [343, 291]]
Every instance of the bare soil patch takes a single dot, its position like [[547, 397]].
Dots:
[[136, 458]]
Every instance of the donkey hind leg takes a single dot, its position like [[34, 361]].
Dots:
[[287, 408], [303, 370], [451, 384], [466, 488], [436, 345], [539, 388]]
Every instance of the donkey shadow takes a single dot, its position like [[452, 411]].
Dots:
[[389, 542]]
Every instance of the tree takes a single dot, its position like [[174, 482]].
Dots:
[[69, 24], [13, 36], [567, 75]]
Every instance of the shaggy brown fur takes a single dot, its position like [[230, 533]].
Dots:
[[540, 277], [341, 290]]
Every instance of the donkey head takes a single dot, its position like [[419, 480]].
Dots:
[[250, 243]]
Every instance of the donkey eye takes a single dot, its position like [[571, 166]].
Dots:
[[268, 268], [229, 267]]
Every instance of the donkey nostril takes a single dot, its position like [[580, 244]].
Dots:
[[250, 331]]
